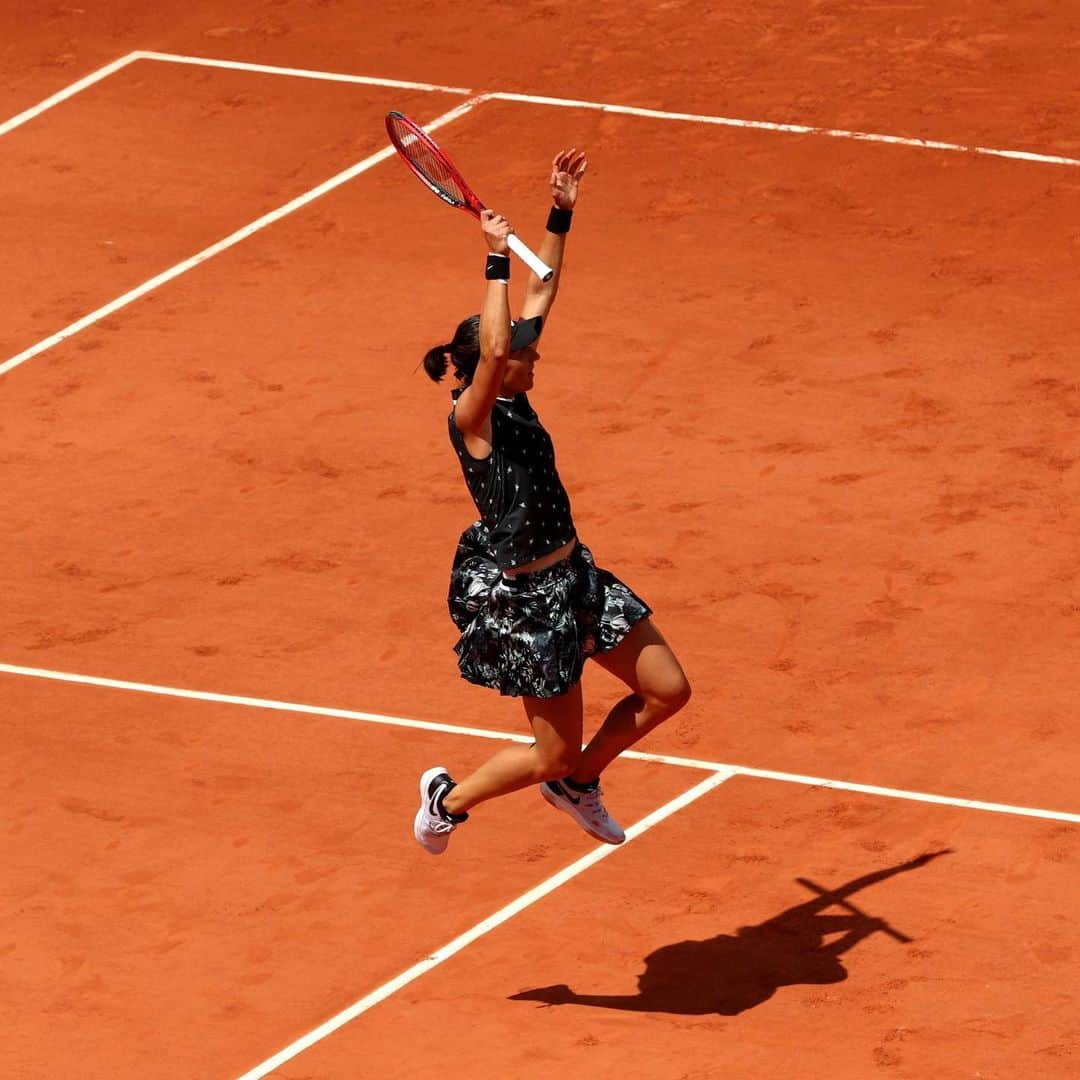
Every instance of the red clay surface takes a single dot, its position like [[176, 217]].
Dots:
[[737, 977], [997, 74], [202, 151], [813, 398], [190, 886]]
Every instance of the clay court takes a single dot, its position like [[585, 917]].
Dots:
[[812, 379]]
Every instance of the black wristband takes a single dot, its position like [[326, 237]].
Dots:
[[497, 268], [559, 220]]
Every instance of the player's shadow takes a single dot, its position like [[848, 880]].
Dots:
[[730, 973]]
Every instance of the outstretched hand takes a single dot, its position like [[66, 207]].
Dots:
[[566, 172]]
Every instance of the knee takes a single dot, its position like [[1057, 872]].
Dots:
[[554, 765], [681, 695], [669, 695]]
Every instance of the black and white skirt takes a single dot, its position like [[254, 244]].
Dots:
[[531, 634]]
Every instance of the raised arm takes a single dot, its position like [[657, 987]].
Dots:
[[472, 414], [566, 172]]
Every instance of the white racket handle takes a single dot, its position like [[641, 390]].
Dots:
[[529, 258]]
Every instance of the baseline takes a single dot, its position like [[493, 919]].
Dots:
[[632, 110], [720, 768], [792, 129], [501, 916], [235, 65], [298, 73], [361, 167]]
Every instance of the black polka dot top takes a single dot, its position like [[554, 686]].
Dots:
[[517, 489]]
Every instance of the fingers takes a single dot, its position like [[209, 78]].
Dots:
[[495, 224], [496, 229], [570, 161]]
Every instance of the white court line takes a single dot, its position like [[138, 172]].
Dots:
[[69, 91], [222, 245], [480, 929], [241, 234], [725, 768], [298, 73], [718, 772], [633, 110], [198, 61], [794, 129]]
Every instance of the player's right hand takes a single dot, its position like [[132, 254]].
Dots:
[[496, 229]]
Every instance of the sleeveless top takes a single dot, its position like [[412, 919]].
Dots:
[[516, 489]]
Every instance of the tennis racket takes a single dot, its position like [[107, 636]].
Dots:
[[435, 170]]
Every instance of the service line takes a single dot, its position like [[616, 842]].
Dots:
[[720, 767]]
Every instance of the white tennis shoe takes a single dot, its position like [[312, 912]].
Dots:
[[431, 826], [586, 808]]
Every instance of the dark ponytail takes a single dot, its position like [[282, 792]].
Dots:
[[463, 352], [435, 362]]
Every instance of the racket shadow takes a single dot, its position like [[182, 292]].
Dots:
[[731, 973]]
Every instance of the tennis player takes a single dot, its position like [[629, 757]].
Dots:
[[525, 593]]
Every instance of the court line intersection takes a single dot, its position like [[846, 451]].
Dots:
[[720, 767], [348, 174], [717, 772]]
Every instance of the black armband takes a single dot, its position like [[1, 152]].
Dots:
[[559, 220], [497, 268]]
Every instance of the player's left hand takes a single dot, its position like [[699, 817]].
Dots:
[[566, 172]]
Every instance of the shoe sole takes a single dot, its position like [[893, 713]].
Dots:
[[425, 781], [558, 803]]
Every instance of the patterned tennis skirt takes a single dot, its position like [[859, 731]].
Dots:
[[531, 634]]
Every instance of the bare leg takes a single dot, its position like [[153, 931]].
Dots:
[[556, 725], [644, 661]]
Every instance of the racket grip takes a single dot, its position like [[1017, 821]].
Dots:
[[529, 258]]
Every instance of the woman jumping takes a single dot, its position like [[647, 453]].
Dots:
[[529, 601]]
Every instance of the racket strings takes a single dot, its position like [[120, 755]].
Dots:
[[420, 154]]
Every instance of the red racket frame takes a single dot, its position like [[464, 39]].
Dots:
[[472, 204]]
